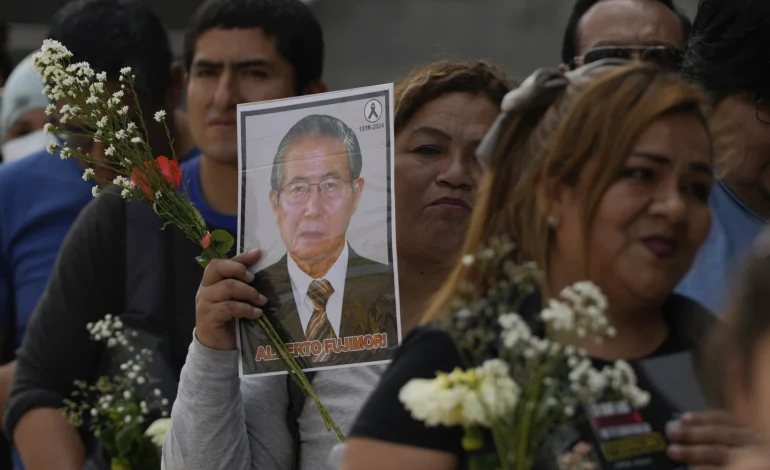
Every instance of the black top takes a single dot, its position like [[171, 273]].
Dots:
[[427, 350], [86, 283]]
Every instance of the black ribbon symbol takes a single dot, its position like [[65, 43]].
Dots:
[[373, 112]]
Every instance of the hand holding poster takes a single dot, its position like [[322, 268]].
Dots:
[[316, 198]]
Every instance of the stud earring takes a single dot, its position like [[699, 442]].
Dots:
[[552, 220]]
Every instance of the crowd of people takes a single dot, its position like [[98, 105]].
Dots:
[[637, 161]]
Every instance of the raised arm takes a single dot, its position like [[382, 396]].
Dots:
[[208, 425]]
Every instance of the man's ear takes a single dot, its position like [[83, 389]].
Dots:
[[274, 200], [358, 188], [316, 86], [176, 85]]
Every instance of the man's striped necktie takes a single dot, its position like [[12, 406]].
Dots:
[[319, 328]]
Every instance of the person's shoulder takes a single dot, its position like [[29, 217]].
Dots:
[[359, 266], [12, 173]]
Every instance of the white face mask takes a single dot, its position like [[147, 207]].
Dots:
[[25, 145]]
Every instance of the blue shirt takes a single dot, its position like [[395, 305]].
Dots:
[[734, 227], [191, 180], [40, 198]]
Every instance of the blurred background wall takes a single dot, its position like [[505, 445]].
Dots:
[[377, 41]]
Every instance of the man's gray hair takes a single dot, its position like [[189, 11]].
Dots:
[[318, 125]]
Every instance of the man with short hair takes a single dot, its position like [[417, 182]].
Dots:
[[43, 194], [728, 56], [315, 188], [633, 29], [236, 51]]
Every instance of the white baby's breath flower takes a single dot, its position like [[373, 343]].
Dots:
[[125, 193], [52, 147], [50, 109], [158, 194], [109, 151], [515, 330], [136, 140], [160, 116], [101, 76], [120, 134], [48, 128], [559, 315], [468, 260], [140, 380], [156, 392], [127, 395], [127, 419], [92, 99], [95, 191], [101, 123], [94, 412], [125, 70], [123, 111], [88, 174], [131, 127]]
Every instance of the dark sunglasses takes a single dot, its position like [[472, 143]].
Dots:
[[664, 56]]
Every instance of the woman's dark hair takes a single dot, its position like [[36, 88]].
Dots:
[[298, 34], [728, 51], [112, 34], [570, 44], [426, 83]]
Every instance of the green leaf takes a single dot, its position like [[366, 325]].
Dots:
[[223, 240], [149, 455], [125, 439], [108, 440]]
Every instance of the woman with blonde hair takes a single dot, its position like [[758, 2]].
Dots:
[[442, 111], [602, 174]]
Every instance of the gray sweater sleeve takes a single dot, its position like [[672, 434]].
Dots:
[[208, 426]]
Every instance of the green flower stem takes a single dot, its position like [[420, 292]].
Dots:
[[522, 458], [296, 373]]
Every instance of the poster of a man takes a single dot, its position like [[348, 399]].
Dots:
[[331, 304]]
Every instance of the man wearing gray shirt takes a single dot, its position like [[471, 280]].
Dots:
[[235, 51]]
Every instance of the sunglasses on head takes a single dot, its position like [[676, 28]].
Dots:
[[664, 56]]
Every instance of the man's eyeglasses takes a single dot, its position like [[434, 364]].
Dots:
[[332, 188], [665, 56]]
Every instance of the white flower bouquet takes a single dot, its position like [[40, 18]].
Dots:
[[116, 409], [520, 387]]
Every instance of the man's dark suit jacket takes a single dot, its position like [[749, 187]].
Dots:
[[368, 306]]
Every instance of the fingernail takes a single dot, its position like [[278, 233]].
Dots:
[[249, 276], [262, 299], [673, 426], [257, 312], [253, 251]]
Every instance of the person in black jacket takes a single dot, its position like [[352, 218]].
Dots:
[[235, 51]]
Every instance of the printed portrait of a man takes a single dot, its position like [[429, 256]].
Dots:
[[335, 306]]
